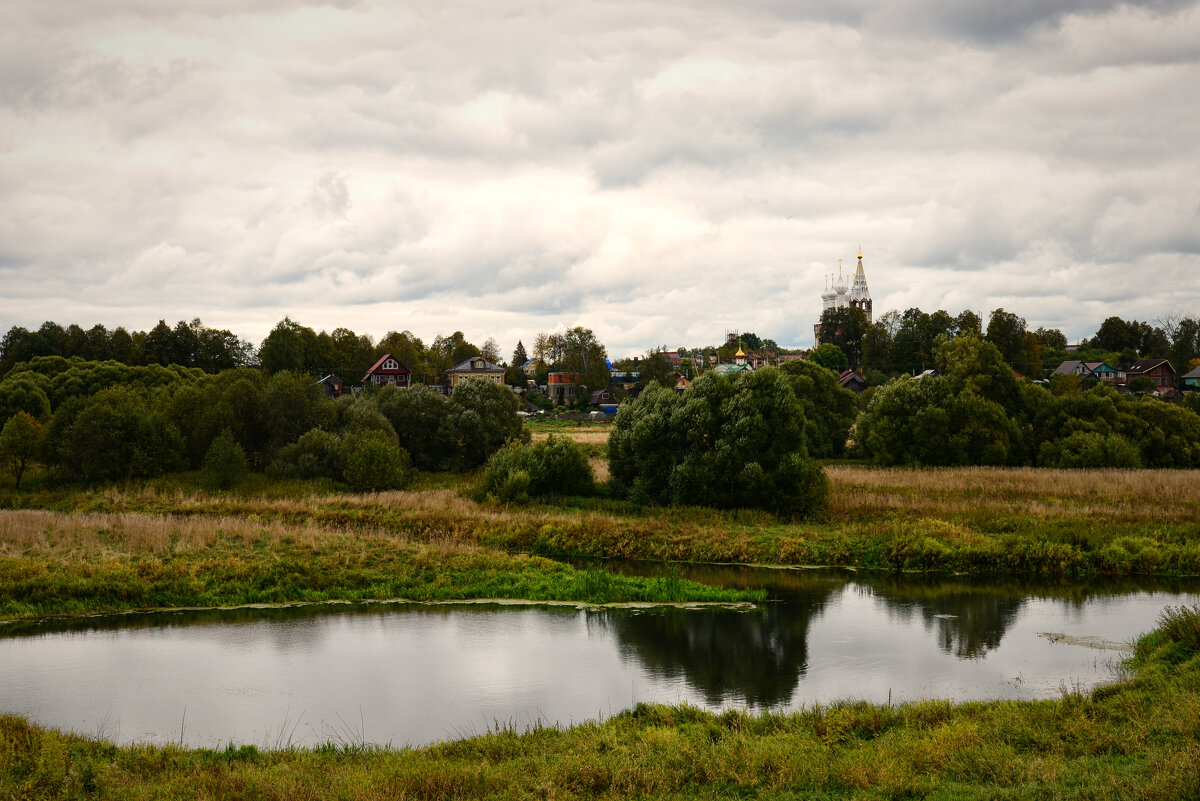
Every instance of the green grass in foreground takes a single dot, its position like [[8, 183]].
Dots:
[[1136, 740]]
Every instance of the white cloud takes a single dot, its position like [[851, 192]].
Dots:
[[657, 171]]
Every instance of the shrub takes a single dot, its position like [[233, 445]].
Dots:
[[225, 464], [373, 461], [317, 454], [1090, 449], [115, 434], [554, 466], [20, 441]]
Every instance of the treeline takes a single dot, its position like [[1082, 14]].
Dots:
[[188, 344], [103, 421], [977, 412], [905, 342], [298, 348]]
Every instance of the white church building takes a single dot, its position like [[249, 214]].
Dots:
[[840, 296]]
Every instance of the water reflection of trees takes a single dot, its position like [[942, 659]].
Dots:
[[755, 657], [971, 616]]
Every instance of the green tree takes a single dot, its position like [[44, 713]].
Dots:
[[829, 408], [968, 322], [1116, 335], [1051, 338], [116, 434], [725, 443], [831, 357], [289, 346], [973, 365], [1007, 332], [1185, 342], [291, 404], [657, 368], [845, 328], [582, 353], [519, 357], [317, 454], [159, 347], [20, 442], [25, 392], [417, 416], [554, 466], [482, 418], [373, 461], [225, 464]]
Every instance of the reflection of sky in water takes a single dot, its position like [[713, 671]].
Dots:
[[404, 674]]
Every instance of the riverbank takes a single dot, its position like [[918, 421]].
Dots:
[[166, 543], [1132, 740], [87, 563]]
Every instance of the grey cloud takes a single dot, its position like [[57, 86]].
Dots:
[[329, 196]]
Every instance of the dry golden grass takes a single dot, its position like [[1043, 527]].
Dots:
[[1124, 494], [583, 435], [26, 532]]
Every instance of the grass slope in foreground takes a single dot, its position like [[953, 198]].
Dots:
[[1133, 740]]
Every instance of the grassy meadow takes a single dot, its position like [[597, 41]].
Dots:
[[169, 543]]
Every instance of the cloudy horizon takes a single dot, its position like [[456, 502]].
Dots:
[[658, 171]]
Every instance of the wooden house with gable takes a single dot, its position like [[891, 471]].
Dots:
[[388, 371], [1159, 371]]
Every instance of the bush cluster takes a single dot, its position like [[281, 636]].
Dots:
[[726, 443], [978, 412], [554, 466]]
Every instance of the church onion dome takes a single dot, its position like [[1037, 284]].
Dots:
[[740, 351]]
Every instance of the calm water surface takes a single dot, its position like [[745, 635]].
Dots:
[[412, 674]]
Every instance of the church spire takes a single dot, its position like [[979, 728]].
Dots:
[[860, 296]]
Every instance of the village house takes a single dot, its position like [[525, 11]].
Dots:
[[563, 387], [333, 386], [852, 381], [388, 371], [1191, 380], [1085, 370], [474, 367], [1159, 371]]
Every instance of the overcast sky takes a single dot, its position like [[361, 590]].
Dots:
[[659, 171]]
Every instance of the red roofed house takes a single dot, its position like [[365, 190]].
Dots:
[[387, 371]]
